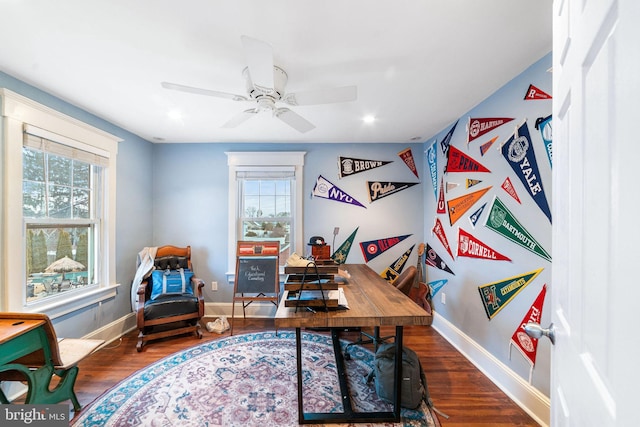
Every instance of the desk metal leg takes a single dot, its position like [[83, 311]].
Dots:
[[348, 415]]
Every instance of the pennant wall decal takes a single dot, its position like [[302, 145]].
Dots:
[[535, 93], [407, 157], [391, 273], [350, 166], [441, 205], [528, 346], [473, 219], [436, 285], [378, 190], [458, 206], [373, 248], [433, 259], [340, 255], [326, 190], [446, 141], [438, 230], [472, 247], [518, 151], [479, 126], [544, 125], [495, 296], [485, 147], [510, 189], [461, 162], [472, 182], [432, 161], [502, 221]]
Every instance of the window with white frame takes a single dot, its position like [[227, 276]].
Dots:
[[63, 211], [265, 200], [58, 210]]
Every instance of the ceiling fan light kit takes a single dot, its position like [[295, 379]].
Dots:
[[265, 85]]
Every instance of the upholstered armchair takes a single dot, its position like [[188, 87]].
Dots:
[[169, 300]]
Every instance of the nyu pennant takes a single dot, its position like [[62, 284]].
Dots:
[[327, 190]]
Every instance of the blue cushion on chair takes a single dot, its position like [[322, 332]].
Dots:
[[171, 282]]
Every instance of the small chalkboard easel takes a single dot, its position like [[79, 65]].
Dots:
[[257, 274]]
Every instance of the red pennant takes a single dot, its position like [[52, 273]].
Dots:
[[510, 189], [460, 162], [471, 247], [438, 230], [441, 205], [535, 93], [529, 346], [478, 127], [407, 157]]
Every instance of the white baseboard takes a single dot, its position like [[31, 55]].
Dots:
[[520, 391], [257, 309], [114, 330]]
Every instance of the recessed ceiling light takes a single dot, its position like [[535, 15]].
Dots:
[[158, 138], [416, 138], [369, 119]]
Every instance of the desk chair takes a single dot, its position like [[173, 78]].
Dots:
[[55, 357], [403, 283]]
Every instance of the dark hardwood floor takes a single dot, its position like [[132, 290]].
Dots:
[[457, 388]]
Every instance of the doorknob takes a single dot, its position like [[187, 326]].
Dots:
[[534, 330]]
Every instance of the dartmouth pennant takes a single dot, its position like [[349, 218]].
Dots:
[[340, 255], [502, 221], [496, 295], [373, 248], [472, 247], [434, 260], [350, 166], [327, 190], [518, 151], [391, 273], [378, 190]]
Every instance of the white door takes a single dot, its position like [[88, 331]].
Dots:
[[596, 222]]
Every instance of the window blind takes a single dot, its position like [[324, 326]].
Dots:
[[40, 139]]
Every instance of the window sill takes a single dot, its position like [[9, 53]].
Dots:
[[70, 303]]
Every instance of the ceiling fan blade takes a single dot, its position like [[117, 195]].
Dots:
[[199, 91], [325, 96], [240, 118], [294, 120], [259, 57]]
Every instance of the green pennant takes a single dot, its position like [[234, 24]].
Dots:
[[502, 221], [498, 294], [340, 255]]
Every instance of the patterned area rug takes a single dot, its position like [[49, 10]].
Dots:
[[241, 380]]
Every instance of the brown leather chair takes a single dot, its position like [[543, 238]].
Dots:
[[169, 312], [403, 283]]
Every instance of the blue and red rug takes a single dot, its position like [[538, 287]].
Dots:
[[242, 380]]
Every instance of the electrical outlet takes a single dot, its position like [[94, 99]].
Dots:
[[443, 298], [214, 286]]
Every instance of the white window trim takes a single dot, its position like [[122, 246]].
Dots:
[[241, 160], [17, 112]]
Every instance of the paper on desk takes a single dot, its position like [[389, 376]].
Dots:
[[339, 294]]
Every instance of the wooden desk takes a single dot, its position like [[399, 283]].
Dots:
[[372, 302]]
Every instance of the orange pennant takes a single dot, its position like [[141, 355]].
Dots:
[[458, 206]]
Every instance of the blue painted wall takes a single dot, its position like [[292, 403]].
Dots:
[[463, 306]]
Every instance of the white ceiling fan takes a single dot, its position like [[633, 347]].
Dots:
[[265, 85]]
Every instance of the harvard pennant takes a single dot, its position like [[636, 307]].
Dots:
[[479, 126]]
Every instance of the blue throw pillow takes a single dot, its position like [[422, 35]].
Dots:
[[171, 282]]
